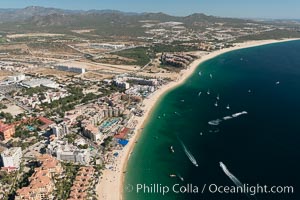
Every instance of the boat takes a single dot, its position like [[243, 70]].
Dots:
[[228, 107], [218, 97], [277, 83], [249, 91], [182, 100], [208, 92], [201, 133], [199, 94], [172, 149], [216, 104], [210, 75], [200, 73], [172, 175]]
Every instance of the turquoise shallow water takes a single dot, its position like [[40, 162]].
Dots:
[[261, 147]]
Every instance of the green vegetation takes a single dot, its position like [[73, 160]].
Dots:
[[71, 138], [274, 34], [32, 91], [2, 106], [106, 142], [139, 54], [65, 183], [7, 116]]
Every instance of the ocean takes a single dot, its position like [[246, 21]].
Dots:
[[259, 146]]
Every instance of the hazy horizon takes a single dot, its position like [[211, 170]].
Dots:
[[231, 8]]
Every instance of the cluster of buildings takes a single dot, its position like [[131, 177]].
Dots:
[[15, 66], [82, 183], [46, 97], [41, 183], [176, 60], [66, 68], [135, 86]]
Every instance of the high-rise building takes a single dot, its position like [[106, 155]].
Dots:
[[12, 157]]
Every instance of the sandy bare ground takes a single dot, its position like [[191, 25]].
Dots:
[[110, 186]]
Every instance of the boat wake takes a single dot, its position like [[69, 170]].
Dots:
[[230, 175], [234, 179], [189, 155], [216, 122]]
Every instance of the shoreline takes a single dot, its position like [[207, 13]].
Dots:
[[112, 179]]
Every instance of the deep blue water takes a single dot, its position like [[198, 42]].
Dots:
[[261, 147]]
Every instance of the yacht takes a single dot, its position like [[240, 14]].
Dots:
[[216, 104], [172, 149]]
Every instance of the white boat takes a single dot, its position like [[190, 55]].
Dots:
[[218, 97], [277, 83], [216, 104], [210, 75], [228, 107], [172, 149], [249, 91], [208, 92], [199, 94], [172, 175], [200, 73]]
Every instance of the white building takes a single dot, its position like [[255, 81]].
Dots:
[[70, 69], [12, 157], [17, 78], [60, 130], [73, 154]]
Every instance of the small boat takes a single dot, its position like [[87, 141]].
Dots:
[[158, 117], [228, 107], [172, 149], [182, 100], [218, 97], [216, 104], [277, 83], [199, 94], [210, 75], [201, 133], [172, 175], [249, 91], [208, 92], [200, 73]]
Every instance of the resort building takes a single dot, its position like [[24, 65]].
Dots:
[[6, 131], [73, 154], [41, 182], [82, 183], [11, 158], [60, 130]]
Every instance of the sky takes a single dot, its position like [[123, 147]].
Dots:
[[278, 9]]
